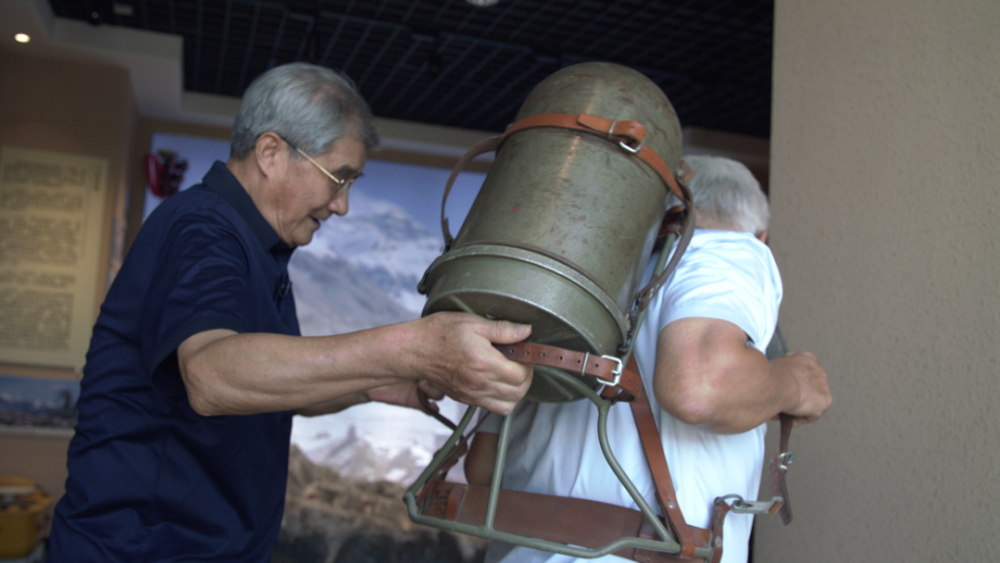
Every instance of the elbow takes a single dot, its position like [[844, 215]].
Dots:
[[693, 402], [201, 403], [200, 397], [202, 406]]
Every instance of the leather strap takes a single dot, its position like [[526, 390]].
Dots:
[[642, 411], [587, 523], [582, 363], [629, 135], [719, 512], [779, 467]]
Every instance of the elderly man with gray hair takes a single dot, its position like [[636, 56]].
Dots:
[[701, 354], [196, 365]]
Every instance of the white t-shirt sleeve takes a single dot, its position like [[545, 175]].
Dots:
[[731, 279], [492, 423]]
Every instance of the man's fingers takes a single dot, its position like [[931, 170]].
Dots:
[[430, 390], [814, 387], [467, 367], [501, 395], [504, 332]]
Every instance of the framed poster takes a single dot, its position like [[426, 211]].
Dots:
[[51, 219], [38, 405]]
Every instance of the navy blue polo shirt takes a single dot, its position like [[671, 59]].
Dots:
[[150, 479]]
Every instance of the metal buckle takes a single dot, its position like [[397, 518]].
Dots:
[[740, 506], [785, 459], [621, 143], [617, 372]]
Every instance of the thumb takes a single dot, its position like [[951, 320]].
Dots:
[[505, 332]]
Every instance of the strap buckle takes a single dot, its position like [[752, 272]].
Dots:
[[616, 372], [621, 143], [740, 506], [785, 459]]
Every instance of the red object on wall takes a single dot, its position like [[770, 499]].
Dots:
[[164, 172]]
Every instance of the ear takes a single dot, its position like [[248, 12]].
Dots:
[[271, 154], [762, 236]]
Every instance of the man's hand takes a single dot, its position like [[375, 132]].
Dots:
[[814, 397], [458, 357]]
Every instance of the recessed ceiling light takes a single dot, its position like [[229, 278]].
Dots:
[[22, 38], [483, 3]]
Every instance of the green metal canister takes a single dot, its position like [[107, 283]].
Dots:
[[563, 225]]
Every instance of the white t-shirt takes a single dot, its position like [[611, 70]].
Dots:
[[554, 447]]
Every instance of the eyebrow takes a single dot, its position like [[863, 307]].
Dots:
[[346, 171]]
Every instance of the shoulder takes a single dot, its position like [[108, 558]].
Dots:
[[723, 275], [729, 246], [195, 210], [192, 227], [727, 258]]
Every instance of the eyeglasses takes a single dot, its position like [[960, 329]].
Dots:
[[342, 185]]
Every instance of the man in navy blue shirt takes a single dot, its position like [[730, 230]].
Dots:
[[196, 364]]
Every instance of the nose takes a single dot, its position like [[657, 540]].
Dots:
[[339, 204]]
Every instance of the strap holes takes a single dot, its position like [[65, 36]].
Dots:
[[560, 358]]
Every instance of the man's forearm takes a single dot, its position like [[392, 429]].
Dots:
[[230, 373], [706, 375]]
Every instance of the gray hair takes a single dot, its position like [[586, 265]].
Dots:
[[726, 190], [309, 105]]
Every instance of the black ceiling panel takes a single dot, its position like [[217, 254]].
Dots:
[[448, 62]]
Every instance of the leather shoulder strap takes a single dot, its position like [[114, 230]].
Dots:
[[650, 436], [778, 468]]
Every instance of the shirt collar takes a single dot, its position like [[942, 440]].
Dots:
[[221, 181]]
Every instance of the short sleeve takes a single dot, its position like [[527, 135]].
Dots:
[[200, 284], [491, 424], [729, 280]]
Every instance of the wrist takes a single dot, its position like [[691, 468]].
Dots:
[[789, 385]]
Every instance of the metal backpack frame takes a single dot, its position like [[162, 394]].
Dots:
[[641, 535]]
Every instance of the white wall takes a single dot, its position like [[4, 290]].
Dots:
[[885, 159]]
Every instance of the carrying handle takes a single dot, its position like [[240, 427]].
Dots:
[[484, 146]]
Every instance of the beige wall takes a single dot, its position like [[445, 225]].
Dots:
[[885, 160], [77, 108]]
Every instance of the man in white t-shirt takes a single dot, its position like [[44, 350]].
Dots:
[[701, 355]]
